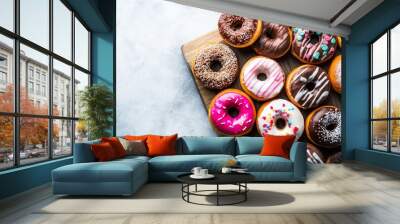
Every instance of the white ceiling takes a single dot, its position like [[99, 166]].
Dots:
[[332, 16], [319, 9]]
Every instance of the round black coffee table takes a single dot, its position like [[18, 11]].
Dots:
[[238, 179]]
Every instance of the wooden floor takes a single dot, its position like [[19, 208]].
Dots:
[[379, 189]]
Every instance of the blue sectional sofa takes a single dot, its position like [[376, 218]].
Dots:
[[125, 176]]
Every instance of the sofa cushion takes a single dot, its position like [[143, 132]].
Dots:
[[249, 145], [159, 145], [257, 163], [185, 163], [116, 145], [134, 147], [103, 152], [277, 145], [194, 145], [112, 171], [132, 159]]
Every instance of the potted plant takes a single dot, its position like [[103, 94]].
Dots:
[[96, 102]]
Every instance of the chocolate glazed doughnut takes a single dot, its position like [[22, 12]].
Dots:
[[239, 31], [307, 86], [216, 66], [313, 47], [323, 126], [274, 42]]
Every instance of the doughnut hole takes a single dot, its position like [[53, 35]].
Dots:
[[236, 25], [331, 126], [314, 38], [310, 86], [262, 76], [233, 112], [215, 65], [280, 123], [269, 33]]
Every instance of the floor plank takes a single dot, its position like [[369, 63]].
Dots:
[[378, 190]]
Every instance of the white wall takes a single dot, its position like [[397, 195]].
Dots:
[[155, 91]]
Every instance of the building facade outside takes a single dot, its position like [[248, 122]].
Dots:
[[34, 99]]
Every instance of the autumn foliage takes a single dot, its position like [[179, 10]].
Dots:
[[33, 131], [379, 128]]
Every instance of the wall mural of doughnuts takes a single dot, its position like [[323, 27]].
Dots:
[[256, 77]]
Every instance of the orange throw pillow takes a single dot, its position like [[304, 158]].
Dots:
[[136, 137], [116, 145], [277, 145], [161, 145], [103, 152]]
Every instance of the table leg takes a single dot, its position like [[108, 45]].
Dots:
[[245, 193], [195, 188], [188, 190], [217, 194]]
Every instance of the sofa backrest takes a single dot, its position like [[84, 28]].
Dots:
[[249, 145], [190, 145], [83, 152], [193, 145]]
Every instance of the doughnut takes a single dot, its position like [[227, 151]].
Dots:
[[262, 78], [239, 31], [314, 155], [335, 158], [307, 86], [232, 112], [280, 117], [323, 126], [216, 66], [313, 47], [339, 40], [274, 42], [335, 73]]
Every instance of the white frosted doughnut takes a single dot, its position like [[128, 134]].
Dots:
[[280, 117]]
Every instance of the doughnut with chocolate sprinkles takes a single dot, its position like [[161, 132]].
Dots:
[[323, 126], [216, 66], [239, 31]]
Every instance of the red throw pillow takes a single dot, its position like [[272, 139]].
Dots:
[[277, 145], [161, 145], [116, 145], [103, 152]]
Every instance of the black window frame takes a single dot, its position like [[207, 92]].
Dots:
[[16, 114], [388, 74]]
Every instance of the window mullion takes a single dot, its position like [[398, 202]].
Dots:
[[371, 142], [50, 81], [389, 104], [16, 85], [73, 82]]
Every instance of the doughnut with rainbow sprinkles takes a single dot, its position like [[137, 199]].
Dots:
[[232, 112], [280, 117], [313, 47]]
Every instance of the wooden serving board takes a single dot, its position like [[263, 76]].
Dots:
[[287, 62]]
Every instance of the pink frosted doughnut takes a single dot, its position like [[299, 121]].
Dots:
[[262, 78], [232, 112]]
